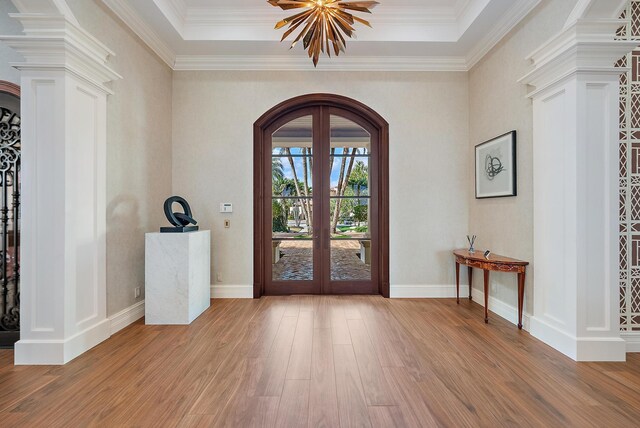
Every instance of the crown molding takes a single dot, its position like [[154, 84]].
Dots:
[[588, 46], [176, 13], [301, 63], [133, 20], [508, 22], [46, 7], [232, 16], [467, 14], [585, 9], [53, 42]]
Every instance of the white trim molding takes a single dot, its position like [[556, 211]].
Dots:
[[575, 92], [52, 7], [60, 351], [301, 63], [132, 19], [197, 24], [64, 78], [632, 338], [595, 8], [517, 12], [226, 291], [126, 317], [502, 309]]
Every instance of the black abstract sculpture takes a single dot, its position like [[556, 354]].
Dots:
[[179, 220]]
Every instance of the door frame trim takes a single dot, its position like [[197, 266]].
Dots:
[[9, 88], [316, 100]]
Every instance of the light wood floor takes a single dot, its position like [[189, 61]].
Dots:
[[324, 362]]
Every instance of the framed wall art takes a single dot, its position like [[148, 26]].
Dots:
[[496, 174]]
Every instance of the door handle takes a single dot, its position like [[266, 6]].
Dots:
[[316, 238]]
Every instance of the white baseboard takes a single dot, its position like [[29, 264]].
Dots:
[[58, 352], [502, 309], [426, 291], [126, 317], [231, 291], [601, 349], [632, 339], [579, 348]]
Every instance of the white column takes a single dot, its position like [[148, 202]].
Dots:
[[63, 279], [575, 177]]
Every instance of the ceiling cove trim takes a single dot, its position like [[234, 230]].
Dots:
[[301, 63], [508, 22], [229, 16], [124, 11], [130, 17], [175, 11], [466, 16]]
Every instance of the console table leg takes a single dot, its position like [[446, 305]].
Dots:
[[457, 283], [470, 270], [486, 296], [521, 278]]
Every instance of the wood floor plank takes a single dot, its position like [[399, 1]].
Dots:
[[250, 412], [300, 359], [387, 417], [272, 380], [442, 364], [384, 340], [339, 327], [322, 317], [376, 388], [411, 395], [352, 405], [323, 399], [293, 410], [267, 323], [292, 305]]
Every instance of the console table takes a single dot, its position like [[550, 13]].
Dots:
[[495, 262]]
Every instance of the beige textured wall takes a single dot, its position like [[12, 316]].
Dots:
[[498, 104], [8, 26], [138, 149], [213, 115]]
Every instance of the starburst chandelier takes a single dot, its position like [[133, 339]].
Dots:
[[325, 22]]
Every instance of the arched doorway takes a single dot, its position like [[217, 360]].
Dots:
[[10, 147], [321, 198]]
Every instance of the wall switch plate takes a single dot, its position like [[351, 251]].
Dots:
[[227, 223], [226, 207], [136, 292]]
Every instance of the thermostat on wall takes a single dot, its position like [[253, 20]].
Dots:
[[226, 207]]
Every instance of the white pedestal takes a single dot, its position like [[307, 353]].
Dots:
[[177, 271]]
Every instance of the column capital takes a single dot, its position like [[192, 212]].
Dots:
[[586, 46], [54, 42]]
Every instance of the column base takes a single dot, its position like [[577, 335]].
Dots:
[[579, 348], [58, 352]]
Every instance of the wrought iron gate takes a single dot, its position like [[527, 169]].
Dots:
[[9, 227]]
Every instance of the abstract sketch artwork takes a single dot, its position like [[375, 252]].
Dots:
[[496, 167]]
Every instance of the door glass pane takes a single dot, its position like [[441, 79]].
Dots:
[[349, 205], [291, 203]]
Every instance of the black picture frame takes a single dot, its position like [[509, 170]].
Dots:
[[496, 172]]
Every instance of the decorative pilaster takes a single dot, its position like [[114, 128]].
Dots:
[[575, 174], [64, 93]]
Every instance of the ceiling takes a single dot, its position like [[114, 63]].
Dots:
[[239, 34]]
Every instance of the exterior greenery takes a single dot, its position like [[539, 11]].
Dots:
[[353, 181]]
